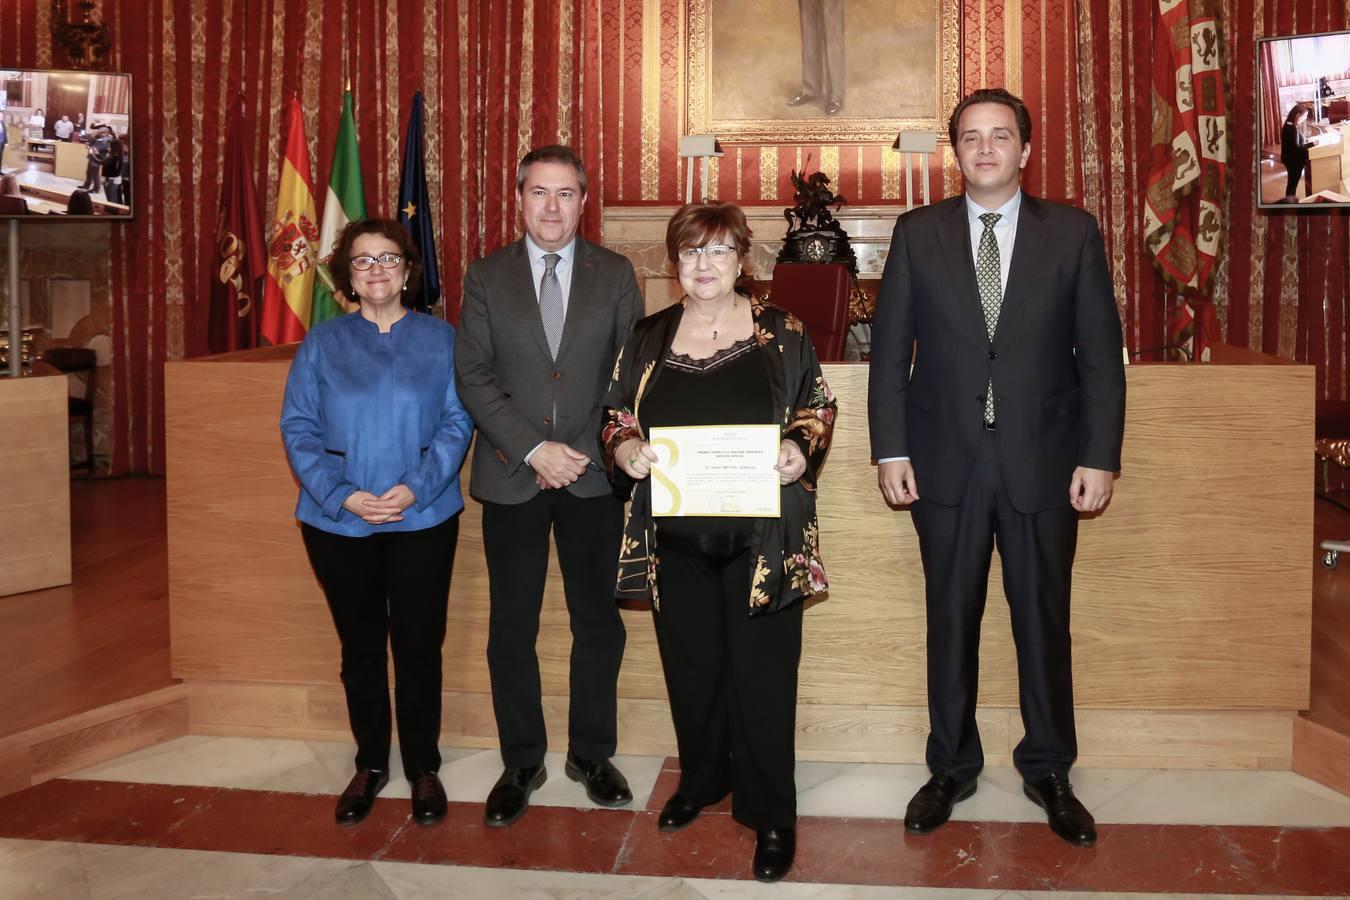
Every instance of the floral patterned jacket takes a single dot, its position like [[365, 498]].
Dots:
[[787, 549]]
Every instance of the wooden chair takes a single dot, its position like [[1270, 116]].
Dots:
[[74, 361], [818, 294]]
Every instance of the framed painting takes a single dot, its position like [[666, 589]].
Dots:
[[821, 71]]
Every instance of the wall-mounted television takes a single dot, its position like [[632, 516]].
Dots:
[[65, 144], [1303, 121]]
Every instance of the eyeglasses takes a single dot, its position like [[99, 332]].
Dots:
[[386, 261], [715, 252]]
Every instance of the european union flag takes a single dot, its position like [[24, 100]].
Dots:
[[414, 207]]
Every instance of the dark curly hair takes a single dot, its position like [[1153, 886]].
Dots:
[[341, 263]]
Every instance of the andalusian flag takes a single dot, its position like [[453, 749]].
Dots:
[[346, 202], [293, 243]]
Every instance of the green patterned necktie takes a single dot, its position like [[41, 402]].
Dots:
[[990, 282]]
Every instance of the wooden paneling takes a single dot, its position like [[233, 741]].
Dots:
[[1322, 754], [1192, 591], [35, 481], [105, 636], [842, 733], [1330, 704], [79, 741]]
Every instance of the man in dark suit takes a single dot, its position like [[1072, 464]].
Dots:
[[1009, 425], [542, 322]]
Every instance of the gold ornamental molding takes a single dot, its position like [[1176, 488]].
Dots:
[[940, 65]]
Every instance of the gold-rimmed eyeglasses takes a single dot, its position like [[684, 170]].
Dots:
[[386, 261]]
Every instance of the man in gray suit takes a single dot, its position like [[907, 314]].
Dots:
[[541, 324], [822, 26]]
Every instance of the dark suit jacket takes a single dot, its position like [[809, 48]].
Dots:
[[509, 383], [1059, 379]]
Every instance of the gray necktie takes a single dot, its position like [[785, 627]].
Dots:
[[990, 282], [551, 303]]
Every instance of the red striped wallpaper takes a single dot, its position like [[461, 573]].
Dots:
[[499, 77]]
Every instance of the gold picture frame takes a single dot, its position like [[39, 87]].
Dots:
[[738, 93]]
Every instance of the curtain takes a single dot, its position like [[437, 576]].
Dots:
[[1272, 115]]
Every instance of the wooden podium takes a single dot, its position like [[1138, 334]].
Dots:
[[35, 480], [1192, 592]]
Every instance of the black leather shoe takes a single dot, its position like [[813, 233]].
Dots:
[[359, 797], [932, 805], [801, 98], [774, 850], [510, 796], [833, 108], [428, 799], [678, 813], [1068, 817], [604, 784]]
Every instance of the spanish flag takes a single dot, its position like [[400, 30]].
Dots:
[[292, 248]]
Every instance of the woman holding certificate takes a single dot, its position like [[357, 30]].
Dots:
[[721, 401]]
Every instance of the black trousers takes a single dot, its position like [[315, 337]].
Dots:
[[389, 588], [93, 173], [1296, 170], [515, 541], [732, 681], [956, 543]]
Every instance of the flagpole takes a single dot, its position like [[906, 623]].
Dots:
[[243, 50]]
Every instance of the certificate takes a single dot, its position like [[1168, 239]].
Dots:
[[715, 470]]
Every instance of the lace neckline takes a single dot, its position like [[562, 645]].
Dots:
[[687, 363]]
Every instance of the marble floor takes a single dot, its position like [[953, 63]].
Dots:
[[228, 817]]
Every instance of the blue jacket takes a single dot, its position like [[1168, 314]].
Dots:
[[366, 411]]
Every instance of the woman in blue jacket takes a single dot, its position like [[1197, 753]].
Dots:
[[375, 435]]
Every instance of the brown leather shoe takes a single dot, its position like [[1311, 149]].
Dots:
[[428, 799], [359, 797]]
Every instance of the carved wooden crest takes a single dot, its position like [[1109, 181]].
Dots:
[[87, 41]]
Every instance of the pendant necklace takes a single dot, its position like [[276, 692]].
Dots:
[[733, 309]]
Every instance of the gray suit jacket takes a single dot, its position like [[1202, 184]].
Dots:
[[509, 383]]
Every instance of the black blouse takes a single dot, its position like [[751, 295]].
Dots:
[[731, 387]]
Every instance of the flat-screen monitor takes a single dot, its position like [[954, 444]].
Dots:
[[66, 144], [1303, 121]]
